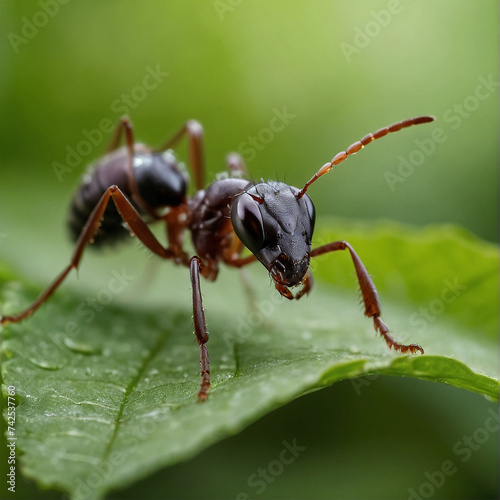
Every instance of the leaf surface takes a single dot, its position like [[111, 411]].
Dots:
[[109, 399]]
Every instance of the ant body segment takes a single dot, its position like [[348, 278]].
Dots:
[[273, 220]]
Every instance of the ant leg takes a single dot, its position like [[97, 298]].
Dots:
[[123, 124], [232, 255], [240, 261], [200, 327], [370, 296], [194, 132], [177, 221], [129, 215]]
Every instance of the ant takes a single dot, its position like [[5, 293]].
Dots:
[[273, 220]]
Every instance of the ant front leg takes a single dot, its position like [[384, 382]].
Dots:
[[129, 215], [200, 327], [370, 296]]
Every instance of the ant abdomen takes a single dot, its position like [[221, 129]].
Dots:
[[159, 181], [154, 181], [111, 170]]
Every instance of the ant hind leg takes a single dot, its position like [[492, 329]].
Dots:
[[129, 215]]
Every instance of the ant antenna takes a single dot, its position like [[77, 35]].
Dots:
[[355, 147]]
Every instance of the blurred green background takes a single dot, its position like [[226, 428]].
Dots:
[[339, 70]]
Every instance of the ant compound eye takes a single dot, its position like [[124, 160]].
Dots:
[[310, 210], [247, 222]]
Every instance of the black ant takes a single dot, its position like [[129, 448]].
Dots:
[[273, 220]]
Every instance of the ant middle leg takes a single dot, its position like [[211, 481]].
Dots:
[[200, 326], [197, 267], [370, 296], [124, 125], [192, 128], [129, 215]]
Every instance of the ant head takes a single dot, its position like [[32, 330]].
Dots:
[[276, 225], [159, 180]]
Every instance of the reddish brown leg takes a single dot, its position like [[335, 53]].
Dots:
[[200, 327], [130, 216], [370, 296], [234, 260], [123, 125], [177, 220], [194, 132]]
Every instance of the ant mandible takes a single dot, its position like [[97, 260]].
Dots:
[[273, 220]]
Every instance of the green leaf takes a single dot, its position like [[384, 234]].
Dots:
[[107, 392]]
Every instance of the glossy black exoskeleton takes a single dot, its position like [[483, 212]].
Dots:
[[273, 220]]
